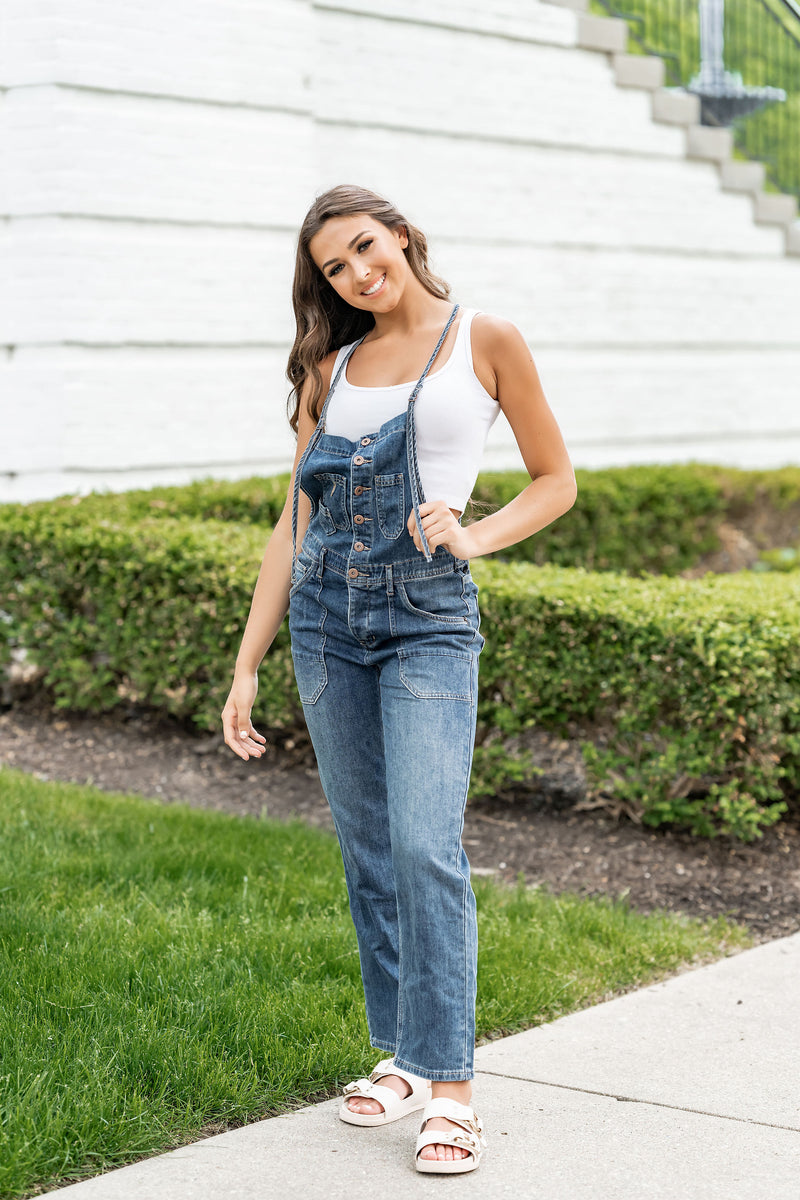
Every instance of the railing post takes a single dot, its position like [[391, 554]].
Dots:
[[723, 95], [712, 44]]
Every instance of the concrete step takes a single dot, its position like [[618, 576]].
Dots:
[[602, 33], [738, 176], [774, 208], [793, 239], [674, 106], [709, 142], [639, 70]]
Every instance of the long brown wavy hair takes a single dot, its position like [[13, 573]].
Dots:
[[324, 320]]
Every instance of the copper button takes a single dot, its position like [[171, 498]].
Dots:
[[358, 490], [352, 573], [365, 441], [359, 520], [358, 546], [358, 460]]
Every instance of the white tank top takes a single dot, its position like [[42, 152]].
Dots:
[[453, 417]]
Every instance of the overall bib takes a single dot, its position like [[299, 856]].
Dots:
[[385, 644]]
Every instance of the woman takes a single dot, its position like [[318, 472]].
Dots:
[[384, 623]]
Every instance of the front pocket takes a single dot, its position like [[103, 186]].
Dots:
[[390, 503], [435, 598], [333, 503]]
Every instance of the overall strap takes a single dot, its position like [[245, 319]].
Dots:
[[312, 441], [411, 441]]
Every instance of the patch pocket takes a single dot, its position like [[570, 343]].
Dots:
[[390, 503], [311, 675], [435, 598], [446, 675], [333, 503]]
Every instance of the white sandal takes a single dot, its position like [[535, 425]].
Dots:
[[469, 1137], [394, 1106]]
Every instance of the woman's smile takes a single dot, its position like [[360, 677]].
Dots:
[[376, 287]]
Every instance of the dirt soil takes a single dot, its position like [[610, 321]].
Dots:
[[539, 833]]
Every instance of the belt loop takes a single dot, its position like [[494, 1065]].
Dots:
[[321, 561], [389, 580]]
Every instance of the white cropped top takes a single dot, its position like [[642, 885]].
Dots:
[[453, 417]]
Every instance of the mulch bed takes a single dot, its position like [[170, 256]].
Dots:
[[538, 833]]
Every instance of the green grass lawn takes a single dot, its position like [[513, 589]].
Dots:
[[166, 971]]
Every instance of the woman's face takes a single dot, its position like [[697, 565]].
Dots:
[[358, 254]]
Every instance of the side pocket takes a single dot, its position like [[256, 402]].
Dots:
[[443, 675], [310, 674], [299, 572], [390, 504]]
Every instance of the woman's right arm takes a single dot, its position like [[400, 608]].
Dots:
[[270, 599]]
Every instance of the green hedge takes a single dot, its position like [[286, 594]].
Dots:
[[641, 519], [688, 693]]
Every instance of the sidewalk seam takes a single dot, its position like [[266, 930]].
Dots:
[[637, 1100]]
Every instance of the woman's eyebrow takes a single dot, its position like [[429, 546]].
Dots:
[[349, 247]]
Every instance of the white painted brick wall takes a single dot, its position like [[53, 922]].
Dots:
[[159, 158], [231, 52]]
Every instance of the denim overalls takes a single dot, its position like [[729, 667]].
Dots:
[[385, 643]]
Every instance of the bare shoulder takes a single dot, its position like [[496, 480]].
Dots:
[[498, 348], [326, 368]]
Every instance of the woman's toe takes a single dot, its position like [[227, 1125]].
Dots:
[[360, 1104]]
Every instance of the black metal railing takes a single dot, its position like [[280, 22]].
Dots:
[[742, 60]]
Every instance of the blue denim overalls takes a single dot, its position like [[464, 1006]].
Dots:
[[385, 643]]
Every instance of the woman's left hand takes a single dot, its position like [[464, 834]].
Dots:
[[441, 529]]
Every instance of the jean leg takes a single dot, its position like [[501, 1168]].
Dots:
[[345, 728], [429, 741]]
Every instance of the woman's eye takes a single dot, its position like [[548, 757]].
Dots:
[[335, 270]]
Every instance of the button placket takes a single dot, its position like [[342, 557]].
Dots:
[[359, 519]]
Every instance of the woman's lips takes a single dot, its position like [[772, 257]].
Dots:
[[377, 292]]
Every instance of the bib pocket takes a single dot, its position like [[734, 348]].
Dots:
[[333, 502], [390, 504]]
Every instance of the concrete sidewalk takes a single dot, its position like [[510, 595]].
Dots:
[[688, 1089]]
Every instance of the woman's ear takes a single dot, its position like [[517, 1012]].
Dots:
[[403, 237]]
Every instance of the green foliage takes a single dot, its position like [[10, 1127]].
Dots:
[[639, 519], [690, 689], [117, 610], [636, 519]]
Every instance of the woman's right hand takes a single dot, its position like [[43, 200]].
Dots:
[[236, 724]]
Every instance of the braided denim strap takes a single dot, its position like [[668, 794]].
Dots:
[[411, 442]]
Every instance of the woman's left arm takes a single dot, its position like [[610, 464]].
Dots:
[[552, 490]]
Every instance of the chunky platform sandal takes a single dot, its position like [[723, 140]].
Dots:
[[468, 1137], [394, 1107]]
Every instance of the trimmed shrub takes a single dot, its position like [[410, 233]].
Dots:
[[640, 519], [142, 611], [687, 693]]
